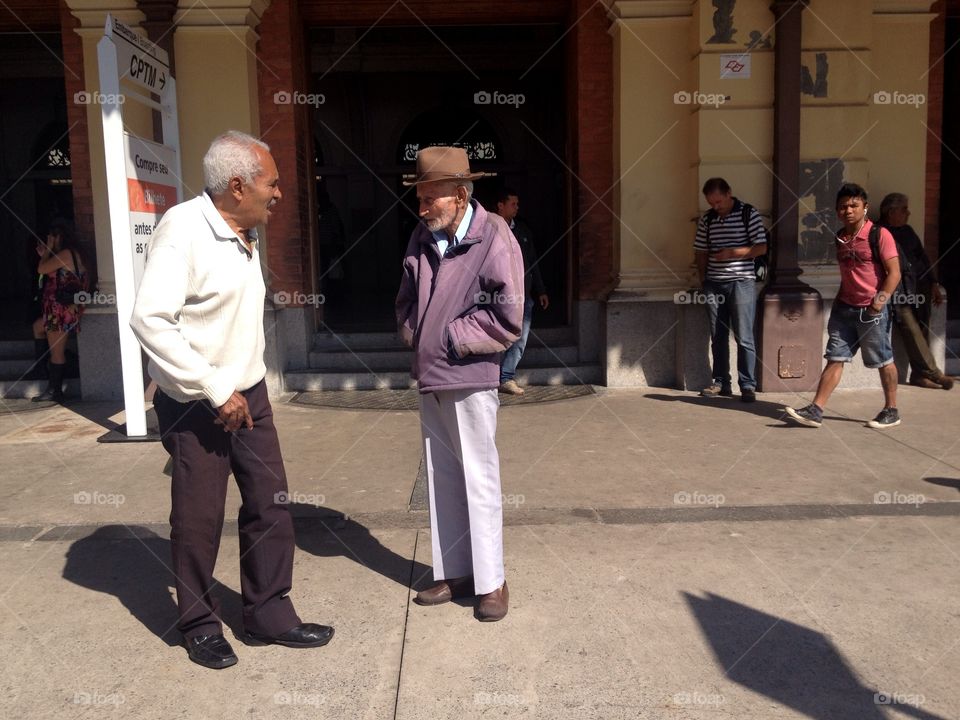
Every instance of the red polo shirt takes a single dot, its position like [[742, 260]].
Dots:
[[860, 276]]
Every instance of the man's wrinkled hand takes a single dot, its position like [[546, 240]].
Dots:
[[234, 414]]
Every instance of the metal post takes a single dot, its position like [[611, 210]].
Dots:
[[790, 312]]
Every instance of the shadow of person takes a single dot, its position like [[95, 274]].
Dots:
[[132, 563], [771, 410], [944, 482], [774, 411], [324, 532], [793, 665]]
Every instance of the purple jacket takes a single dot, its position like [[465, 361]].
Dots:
[[460, 312]]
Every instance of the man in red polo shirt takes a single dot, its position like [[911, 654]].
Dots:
[[861, 315]]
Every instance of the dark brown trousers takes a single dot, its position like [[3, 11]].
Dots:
[[203, 455]]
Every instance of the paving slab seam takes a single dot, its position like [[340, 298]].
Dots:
[[406, 620], [401, 520]]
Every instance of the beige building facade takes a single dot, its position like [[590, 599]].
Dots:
[[641, 101]]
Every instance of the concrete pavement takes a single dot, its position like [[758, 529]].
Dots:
[[667, 556]]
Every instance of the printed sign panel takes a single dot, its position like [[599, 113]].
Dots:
[[151, 190]]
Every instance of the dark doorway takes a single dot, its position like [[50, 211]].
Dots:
[[382, 93], [949, 261], [34, 168]]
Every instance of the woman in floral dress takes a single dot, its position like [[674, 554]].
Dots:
[[61, 267]]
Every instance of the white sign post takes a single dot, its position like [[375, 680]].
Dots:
[[143, 181]]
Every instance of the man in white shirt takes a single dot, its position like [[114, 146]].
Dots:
[[199, 317]]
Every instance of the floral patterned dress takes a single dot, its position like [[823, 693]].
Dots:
[[57, 316]]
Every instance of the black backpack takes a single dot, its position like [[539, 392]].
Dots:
[[761, 264]]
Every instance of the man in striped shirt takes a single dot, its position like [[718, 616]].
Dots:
[[729, 236]]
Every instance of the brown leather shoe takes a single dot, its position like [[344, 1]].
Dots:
[[925, 382], [510, 387], [493, 605], [945, 381], [445, 591]]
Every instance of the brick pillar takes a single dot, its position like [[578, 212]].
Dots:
[[79, 145], [285, 126], [590, 58]]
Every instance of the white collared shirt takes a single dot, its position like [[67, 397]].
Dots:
[[443, 240], [199, 308]]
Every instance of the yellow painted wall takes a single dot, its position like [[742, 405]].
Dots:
[[218, 94], [656, 145], [898, 142], [736, 138], [868, 49]]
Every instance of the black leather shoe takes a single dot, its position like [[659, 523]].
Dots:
[[304, 635], [211, 651], [48, 395]]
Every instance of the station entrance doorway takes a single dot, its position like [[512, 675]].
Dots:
[[383, 93]]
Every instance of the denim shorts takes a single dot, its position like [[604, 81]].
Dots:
[[852, 328]]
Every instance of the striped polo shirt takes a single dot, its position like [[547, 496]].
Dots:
[[728, 232]]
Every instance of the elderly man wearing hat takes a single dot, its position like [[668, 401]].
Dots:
[[459, 307]]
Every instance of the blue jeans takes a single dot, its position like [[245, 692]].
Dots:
[[511, 358], [732, 305]]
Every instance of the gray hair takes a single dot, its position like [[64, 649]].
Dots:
[[466, 185], [231, 155], [892, 202]]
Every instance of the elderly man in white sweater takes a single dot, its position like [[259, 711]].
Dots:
[[199, 317]]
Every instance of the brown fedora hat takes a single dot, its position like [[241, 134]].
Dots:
[[443, 163]]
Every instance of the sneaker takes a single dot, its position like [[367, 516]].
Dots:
[[888, 418], [811, 415], [749, 395], [510, 387], [714, 389]]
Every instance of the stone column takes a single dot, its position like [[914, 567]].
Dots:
[[216, 50], [654, 199]]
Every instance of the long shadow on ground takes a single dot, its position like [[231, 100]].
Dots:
[[763, 408], [133, 564], [324, 532], [793, 665]]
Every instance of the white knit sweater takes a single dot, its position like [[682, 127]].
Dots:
[[199, 308]]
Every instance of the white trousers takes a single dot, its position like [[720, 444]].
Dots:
[[463, 475]]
